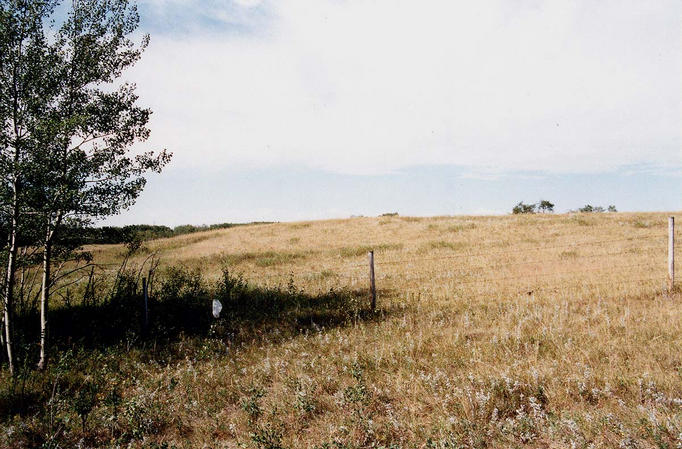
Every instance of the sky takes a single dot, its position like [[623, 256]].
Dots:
[[308, 109]]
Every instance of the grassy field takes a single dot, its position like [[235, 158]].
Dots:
[[511, 331]]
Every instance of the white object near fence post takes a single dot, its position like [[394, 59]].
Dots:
[[146, 300], [216, 307], [372, 286], [671, 253]]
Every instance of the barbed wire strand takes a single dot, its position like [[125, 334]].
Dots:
[[520, 250], [320, 274], [570, 258], [506, 278]]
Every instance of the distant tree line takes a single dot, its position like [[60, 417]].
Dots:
[[589, 208], [545, 206], [124, 234]]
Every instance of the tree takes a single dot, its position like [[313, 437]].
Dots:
[[522, 208], [588, 208], [87, 168], [25, 78], [77, 144], [545, 206]]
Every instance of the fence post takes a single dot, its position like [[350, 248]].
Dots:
[[671, 253], [372, 286], [146, 300]]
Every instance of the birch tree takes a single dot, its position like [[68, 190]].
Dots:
[[68, 126], [25, 83], [87, 167]]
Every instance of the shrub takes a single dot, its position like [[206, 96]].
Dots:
[[181, 282]]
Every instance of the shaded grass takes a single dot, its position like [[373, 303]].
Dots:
[[104, 347]]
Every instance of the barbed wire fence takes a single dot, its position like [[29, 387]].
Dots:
[[637, 260]]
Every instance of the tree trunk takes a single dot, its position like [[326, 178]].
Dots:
[[9, 281], [50, 229], [2, 336], [44, 300]]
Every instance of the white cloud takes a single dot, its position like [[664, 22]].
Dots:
[[249, 3], [372, 86]]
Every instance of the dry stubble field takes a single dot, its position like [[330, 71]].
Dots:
[[508, 331]]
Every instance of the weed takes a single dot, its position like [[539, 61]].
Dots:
[[251, 403], [267, 438], [85, 401], [304, 404], [356, 394]]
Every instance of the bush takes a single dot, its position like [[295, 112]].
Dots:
[[180, 282]]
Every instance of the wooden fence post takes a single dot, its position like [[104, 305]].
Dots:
[[671, 253], [146, 300], [372, 286]]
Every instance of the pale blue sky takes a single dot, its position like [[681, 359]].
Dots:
[[294, 193], [305, 109]]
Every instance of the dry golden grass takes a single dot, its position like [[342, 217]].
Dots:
[[537, 331], [437, 253]]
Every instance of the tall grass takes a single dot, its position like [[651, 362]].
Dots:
[[545, 331]]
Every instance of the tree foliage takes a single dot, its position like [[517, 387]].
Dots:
[[588, 208], [522, 208], [69, 124], [545, 206]]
